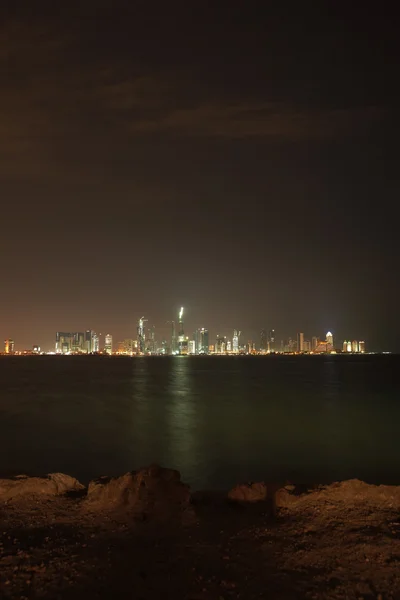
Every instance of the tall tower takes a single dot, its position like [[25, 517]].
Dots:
[[141, 338], [235, 341], [108, 343], [202, 341], [9, 346], [271, 340], [263, 341], [182, 341], [329, 341], [300, 342], [95, 342], [173, 337]]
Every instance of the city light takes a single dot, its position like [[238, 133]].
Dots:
[[147, 341]]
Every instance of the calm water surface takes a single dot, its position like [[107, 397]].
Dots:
[[218, 420]]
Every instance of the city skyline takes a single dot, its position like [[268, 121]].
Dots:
[[151, 339]]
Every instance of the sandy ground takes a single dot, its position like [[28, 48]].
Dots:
[[341, 541]]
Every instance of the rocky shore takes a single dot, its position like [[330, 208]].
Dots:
[[144, 535]]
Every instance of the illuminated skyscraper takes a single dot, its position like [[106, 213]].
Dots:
[[235, 341], [192, 347], [141, 338], [9, 346], [202, 341], [271, 340], [263, 341], [314, 342], [349, 346], [345, 346], [108, 344], [329, 340], [129, 346], [220, 344], [95, 342], [354, 346], [63, 342], [307, 346], [361, 347], [300, 342], [151, 340], [78, 341], [182, 340], [228, 346], [88, 341], [173, 337]]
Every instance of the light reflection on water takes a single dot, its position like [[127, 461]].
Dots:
[[217, 420]]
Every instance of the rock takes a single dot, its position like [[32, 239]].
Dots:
[[53, 484], [354, 492], [284, 497], [149, 492], [259, 492], [249, 492]]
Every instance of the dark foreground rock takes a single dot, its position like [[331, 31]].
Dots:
[[51, 485], [332, 542], [150, 493]]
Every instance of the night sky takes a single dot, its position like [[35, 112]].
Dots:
[[237, 158]]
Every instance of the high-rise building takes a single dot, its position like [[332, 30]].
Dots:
[[235, 341], [192, 347], [314, 342], [173, 337], [271, 340], [36, 349], [263, 341], [361, 347], [344, 346], [88, 341], [322, 347], [182, 340], [354, 346], [349, 346], [228, 346], [95, 342], [129, 346], [78, 341], [220, 344], [300, 342], [9, 346], [202, 341], [307, 346], [63, 342], [108, 343], [329, 341], [141, 337]]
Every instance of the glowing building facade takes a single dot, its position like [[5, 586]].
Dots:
[[263, 341], [182, 339], [235, 341], [108, 344], [9, 346], [300, 342], [202, 342], [271, 340], [329, 340], [141, 337]]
